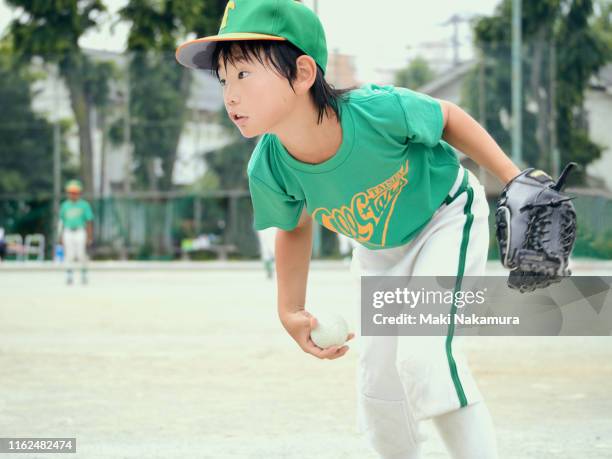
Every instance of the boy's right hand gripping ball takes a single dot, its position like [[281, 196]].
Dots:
[[536, 229], [331, 330]]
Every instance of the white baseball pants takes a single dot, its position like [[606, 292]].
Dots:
[[75, 245], [403, 380]]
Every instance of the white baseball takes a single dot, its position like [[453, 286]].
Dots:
[[331, 330]]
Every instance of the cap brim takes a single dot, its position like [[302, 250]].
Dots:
[[197, 54]]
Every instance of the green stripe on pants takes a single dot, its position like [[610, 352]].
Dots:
[[469, 218]]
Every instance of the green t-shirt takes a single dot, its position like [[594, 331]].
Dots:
[[75, 214], [390, 174]]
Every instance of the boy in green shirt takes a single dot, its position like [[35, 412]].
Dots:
[[75, 230], [375, 164]]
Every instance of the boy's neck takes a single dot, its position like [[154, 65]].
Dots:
[[308, 141]]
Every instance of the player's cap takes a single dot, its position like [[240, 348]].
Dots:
[[74, 186], [276, 20]]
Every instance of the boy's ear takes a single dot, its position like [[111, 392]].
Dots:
[[306, 73]]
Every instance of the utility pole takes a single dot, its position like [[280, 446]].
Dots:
[[517, 86], [554, 148], [57, 164], [127, 132], [455, 20], [127, 167]]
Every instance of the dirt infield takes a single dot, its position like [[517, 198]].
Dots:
[[185, 364]]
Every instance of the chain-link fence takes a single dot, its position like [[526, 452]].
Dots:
[[162, 227]]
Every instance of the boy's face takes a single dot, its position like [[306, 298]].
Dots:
[[257, 99]]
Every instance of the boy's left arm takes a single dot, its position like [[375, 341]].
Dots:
[[465, 134], [89, 228]]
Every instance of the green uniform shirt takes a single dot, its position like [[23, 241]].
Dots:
[[75, 215], [390, 174]]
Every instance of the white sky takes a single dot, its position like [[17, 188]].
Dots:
[[381, 34]]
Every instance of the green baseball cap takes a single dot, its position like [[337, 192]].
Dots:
[[74, 186], [275, 20]]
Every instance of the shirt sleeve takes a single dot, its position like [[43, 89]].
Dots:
[[88, 212], [273, 208], [423, 115]]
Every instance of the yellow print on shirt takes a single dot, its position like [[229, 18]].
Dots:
[[368, 210]]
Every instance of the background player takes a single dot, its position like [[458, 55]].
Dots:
[[266, 238], [345, 246], [75, 230]]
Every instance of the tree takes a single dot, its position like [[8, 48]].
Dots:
[[98, 86], [26, 151], [581, 56], [226, 169], [415, 74], [159, 86], [603, 24], [51, 30], [159, 89], [561, 51]]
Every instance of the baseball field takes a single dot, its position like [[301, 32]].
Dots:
[[186, 363]]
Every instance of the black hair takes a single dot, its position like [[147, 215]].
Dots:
[[282, 56]]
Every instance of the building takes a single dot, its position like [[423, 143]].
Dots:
[[201, 132], [341, 70], [598, 107], [448, 87]]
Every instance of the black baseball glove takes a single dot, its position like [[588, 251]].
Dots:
[[536, 229]]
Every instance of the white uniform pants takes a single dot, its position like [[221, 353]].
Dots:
[[403, 380], [75, 244], [345, 244], [267, 239]]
